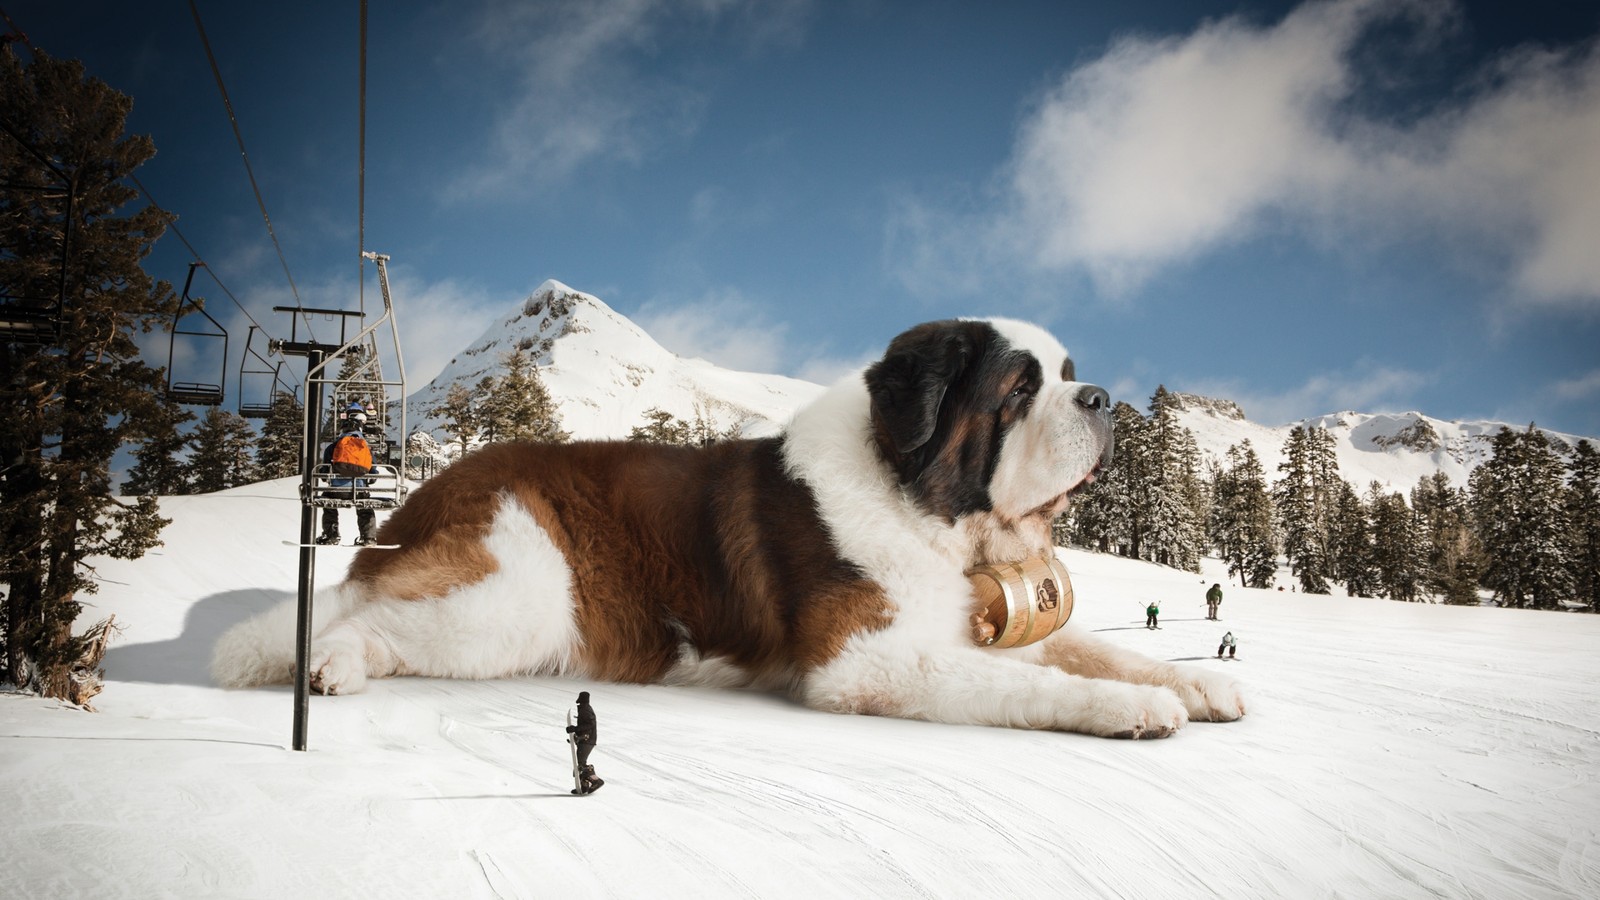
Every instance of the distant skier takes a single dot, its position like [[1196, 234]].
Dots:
[[1229, 644], [1213, 600], [1150, 614], [585, 736]]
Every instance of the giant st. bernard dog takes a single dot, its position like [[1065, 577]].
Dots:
[[828, 561]]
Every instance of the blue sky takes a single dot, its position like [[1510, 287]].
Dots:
[[1378, 205]]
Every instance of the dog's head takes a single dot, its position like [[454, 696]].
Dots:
[[987, 416]]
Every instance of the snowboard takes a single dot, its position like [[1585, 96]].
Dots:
[[346, 546], [572, 742]]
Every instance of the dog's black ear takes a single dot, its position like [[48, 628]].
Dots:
[[908, 385]]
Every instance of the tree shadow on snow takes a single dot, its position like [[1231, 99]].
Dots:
[[186, 659]]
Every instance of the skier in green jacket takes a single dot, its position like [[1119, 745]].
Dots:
[[1213, 600], [1150, 614]]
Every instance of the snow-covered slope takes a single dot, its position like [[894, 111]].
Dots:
[[604, 372], [1396, 450], [1391, 750]]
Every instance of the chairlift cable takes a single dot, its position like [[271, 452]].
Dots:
[[198, 258], [361, 174], [20, 35], [239, 137]]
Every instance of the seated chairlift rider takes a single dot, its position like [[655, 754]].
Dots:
[[355, 419]]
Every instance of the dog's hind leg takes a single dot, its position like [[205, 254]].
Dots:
[[517, 618]]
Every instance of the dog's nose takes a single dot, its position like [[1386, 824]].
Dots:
[[1093, 398]]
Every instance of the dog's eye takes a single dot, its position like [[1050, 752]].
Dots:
[[1069, 372]]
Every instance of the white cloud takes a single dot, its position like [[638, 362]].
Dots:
[[723, 328], [1580, 388], [580, 91], [436, 321], [734, 331], [827, 369], [1162, 150]]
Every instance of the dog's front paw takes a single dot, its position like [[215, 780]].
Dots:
[[1210, 697], [1136, 711], [337, 668]]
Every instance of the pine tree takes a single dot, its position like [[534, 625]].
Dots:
[[459, 412], [1521, 519], [222, 454], [158, 468], [70, 406], [1242, 518], [1447, 544], [1108, 516], [1169, 491], [1583, 515], [1304, 497], [1397, 551], [660, 427], [517, 406], [1350, 543], [278, 448]]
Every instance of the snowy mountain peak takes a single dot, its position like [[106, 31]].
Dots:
[[605, 372], [556, 300], [1393, 449], [1411, 430]]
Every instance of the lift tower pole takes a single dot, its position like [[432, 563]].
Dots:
[[316, 358], [317, 355]]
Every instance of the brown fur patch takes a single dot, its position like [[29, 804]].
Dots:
[[715, 547]]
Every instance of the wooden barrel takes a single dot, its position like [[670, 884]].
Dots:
[[1019, 603]]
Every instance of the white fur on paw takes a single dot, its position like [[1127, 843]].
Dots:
[[1136, 711], [337, 669], [1211, 697]]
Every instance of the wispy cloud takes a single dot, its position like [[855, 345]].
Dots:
[[1164, 149], [734, 331], [581, 91], [436, 320], [724, 328], [1583, 387], [440, 319]]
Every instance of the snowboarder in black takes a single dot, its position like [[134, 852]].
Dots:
[[586, 736], [1213, 600]]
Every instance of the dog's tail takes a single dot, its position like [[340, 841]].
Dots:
[[261, 650]]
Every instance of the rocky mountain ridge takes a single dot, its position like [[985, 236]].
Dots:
[[605, 372]]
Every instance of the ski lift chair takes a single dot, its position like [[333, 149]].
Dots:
[[195, 393]]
